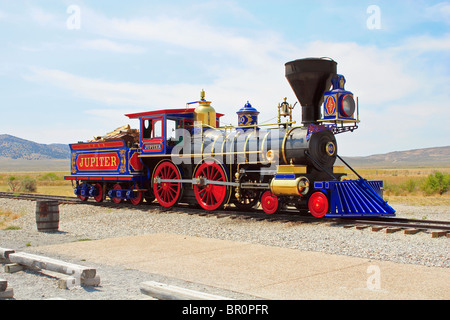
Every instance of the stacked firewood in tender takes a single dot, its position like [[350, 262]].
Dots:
[[131, 136]]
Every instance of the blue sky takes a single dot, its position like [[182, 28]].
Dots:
[[60, 83]]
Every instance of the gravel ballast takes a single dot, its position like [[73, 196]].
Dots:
[[86, 223]]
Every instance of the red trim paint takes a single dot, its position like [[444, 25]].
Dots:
[[102, 178], [165, 111], [98, 145]]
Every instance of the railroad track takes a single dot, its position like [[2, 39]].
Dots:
[[35, 197], [387, 224]]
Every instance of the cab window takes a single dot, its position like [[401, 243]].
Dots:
[[157, 129], [147, 128], [152, 128]]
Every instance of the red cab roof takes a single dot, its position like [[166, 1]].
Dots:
[[165, 111]]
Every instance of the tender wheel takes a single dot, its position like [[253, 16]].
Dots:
[[99, 197], [139, 198], [269, 202], [83, 198], [117, 200], [318, 204], [211, 196], [166, 193]]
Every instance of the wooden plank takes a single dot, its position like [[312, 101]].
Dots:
[[71, 282], [13, 267], [360, 227], [8, 293], [377, 228], [412, 231], [163, 291], [437, 234], [3, 285], [39, 262], [4, 253], [393, 229], [222, 215]]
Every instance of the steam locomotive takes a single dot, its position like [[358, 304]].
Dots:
[[185, 156]]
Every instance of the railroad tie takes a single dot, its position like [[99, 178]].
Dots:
[[437, 234], [393, 229], [5, 292], [412, 231]]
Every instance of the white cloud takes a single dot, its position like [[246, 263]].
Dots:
[[42, 17], [426, 43], [375, 75], [109, 93], [439, 12], [108, 45], [192, 33]]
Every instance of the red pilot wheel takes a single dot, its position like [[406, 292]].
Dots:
[[269, 202], [318, 204], [138, 197], [166, 193], [117, 187], [211, 196], [99, 197]]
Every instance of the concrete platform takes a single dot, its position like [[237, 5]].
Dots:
[[263, 271]]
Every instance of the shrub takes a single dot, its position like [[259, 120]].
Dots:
[[436, 183], [409, 186], [13, 183], [392, 188], [29, 185]]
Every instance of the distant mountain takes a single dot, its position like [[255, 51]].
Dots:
[[16, 148], [438, 156]]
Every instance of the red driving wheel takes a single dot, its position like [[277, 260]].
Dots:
[[138, 197], [166, 193], [318, 204], [211, 196], [269, 202]]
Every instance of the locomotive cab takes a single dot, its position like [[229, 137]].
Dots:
[[159, 129]]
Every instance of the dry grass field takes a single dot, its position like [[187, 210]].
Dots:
[[408, 185], [46, 182]]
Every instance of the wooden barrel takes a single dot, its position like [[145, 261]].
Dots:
[[47, 215]]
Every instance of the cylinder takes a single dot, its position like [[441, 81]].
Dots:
[[47, 216], [288, 187]]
